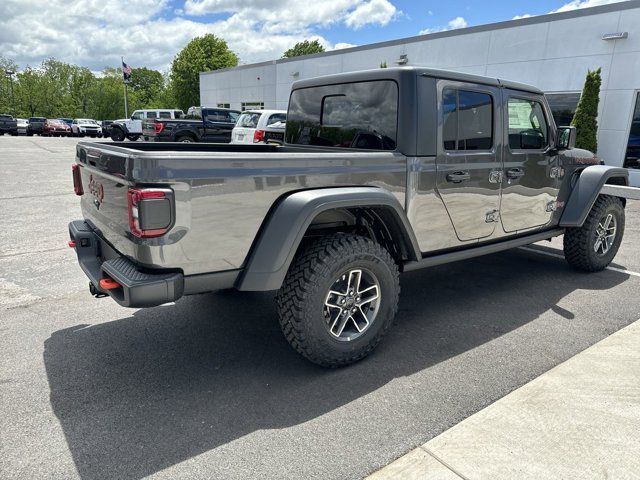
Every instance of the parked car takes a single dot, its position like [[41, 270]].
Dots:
[[105, 125], [23, 125], [68, 121], [55, 127], [8, 124], [478, 168], [251, 125], [36, 125], [215, 125], [85, 126], [131, 128], [274, 133]]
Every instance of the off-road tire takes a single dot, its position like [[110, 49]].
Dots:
[[133, 138], [579, 242], [300, 300], [117, 135]]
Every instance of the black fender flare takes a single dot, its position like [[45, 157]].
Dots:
[[586, 190], [121, 126], [284, 228]]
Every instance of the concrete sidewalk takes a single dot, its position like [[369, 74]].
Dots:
[[579, 420]]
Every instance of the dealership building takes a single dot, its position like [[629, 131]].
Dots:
[[552, 52]]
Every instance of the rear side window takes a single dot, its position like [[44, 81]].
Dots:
[[248, 120], [527, 125], [276, 117], [165, 115], [467, 120], [350, 115], [152, 114]]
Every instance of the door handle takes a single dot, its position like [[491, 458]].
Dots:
[[515, 173], [457, 177]]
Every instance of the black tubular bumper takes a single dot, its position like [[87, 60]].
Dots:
[[137, 288]]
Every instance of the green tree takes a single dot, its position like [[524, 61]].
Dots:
[[148, 84], [304, 48], [7, 98], [586, 117], [201, 54]]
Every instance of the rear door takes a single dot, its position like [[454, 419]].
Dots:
[[530, 185], [468, 161], [245, 127]]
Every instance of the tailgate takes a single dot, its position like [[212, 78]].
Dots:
[[149, 128], [104, 202]]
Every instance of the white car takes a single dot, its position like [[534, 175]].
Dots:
[[131, 128], [85, 126], [251, 125], [23, 123]]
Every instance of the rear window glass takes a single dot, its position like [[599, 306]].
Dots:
[[350, 115], [248, 120]]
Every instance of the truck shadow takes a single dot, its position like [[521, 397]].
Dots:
[[143, 393]]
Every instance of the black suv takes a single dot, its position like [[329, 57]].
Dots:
[[36, 125]]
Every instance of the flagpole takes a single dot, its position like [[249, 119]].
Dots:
[[126, 106]]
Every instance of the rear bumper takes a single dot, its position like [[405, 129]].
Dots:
[[138, 287]]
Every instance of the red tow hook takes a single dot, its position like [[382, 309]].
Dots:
[[71, 243], [109, 284]]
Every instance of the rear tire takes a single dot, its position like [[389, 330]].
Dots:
[[133, 138], [593, 246], [117, 135], [322, 315], [185, 139]]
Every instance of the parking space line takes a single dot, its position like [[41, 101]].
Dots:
[[557, 255]]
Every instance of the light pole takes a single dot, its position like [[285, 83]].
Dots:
[[10, 74]]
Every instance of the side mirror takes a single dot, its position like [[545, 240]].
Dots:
[[566, 138]]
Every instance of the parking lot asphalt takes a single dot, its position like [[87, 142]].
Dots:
[[209, 388]]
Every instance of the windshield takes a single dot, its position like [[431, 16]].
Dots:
[[86, 120]]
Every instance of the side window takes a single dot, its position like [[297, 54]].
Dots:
[[467, 120], [276, 117], [165, 115], [136, 116], [527, 125], [152, 114]]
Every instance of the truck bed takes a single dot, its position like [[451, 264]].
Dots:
[[223, 193]]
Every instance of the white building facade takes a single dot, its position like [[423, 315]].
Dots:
[[552, 52]]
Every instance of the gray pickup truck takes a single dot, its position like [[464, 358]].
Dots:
[[381, 172]]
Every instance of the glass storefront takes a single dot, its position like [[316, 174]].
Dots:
[[632, 157], [563, 106]]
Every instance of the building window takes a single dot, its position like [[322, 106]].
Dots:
[[224, 105], [252, 106], [468, 120], [350, 115], [632, 157], [563, 106]]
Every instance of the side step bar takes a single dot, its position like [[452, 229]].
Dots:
[[433, 260]]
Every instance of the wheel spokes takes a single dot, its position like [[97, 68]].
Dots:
[[368, 295]]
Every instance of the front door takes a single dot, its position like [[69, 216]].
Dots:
[[530, 184], [468, 157]]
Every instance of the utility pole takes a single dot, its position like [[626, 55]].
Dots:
[[10, 74], [126, 106]]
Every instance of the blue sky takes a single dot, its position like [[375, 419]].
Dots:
[[95, 33]]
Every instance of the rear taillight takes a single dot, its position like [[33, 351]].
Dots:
[[150, 211], [158, 127], [77, 179], [258, 136]]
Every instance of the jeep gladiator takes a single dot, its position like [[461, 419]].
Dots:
[[454, 166]]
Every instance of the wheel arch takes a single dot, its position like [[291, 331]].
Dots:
[[586, 189], [314, 211]]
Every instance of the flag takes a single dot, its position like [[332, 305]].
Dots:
[[126, 72]]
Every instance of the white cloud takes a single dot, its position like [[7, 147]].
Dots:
[[379, 12], [95, 33], [576, 4], [453, 24], [343, 45]]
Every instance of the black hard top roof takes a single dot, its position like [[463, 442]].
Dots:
[[396, 73]]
